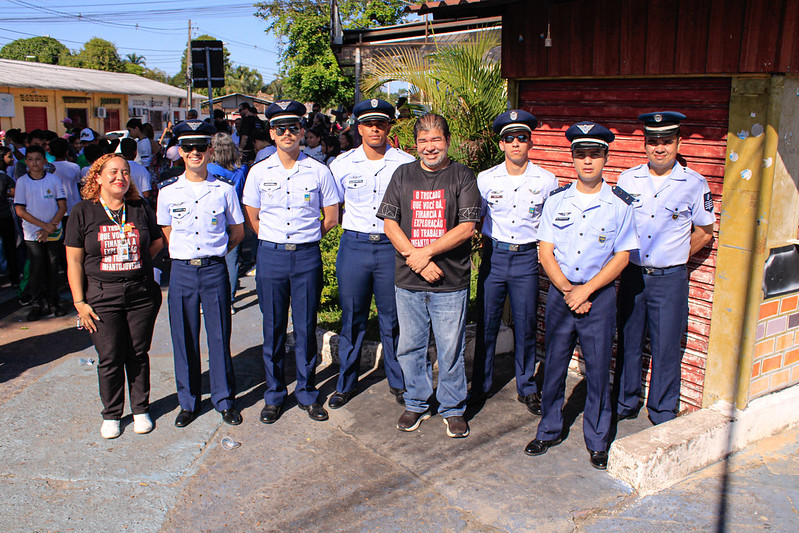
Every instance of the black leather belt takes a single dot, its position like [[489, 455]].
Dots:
[[512, 247], [371, 237], [290, 247], [202, 261], [654, 271]]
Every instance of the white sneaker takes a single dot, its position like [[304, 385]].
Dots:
[[110, 429], [142, 424]]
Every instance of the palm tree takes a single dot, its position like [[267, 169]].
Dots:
[[136, 59], [461, 82]]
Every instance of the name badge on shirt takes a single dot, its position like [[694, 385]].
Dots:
[[123, 253], [496, 196], [563, 217], [179, 211], [356, 182]]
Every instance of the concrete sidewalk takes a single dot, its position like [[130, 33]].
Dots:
[[356, 472]]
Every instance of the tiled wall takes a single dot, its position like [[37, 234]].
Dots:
[[776, 360]]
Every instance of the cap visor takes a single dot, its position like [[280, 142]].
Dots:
[[515, 127]]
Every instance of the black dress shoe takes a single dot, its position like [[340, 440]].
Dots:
[[540, 447], [599, 460], [315, 411], [184, 418], [270, 414], [399, 394], [58, 310], [340, 399], [231, 416], [34, 314], [532, 401], [632, 415]]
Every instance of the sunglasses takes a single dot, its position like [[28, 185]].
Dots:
[[196, 147], [281, 130], [523, 138]]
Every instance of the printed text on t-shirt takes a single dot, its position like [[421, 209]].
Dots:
[[429, 220]]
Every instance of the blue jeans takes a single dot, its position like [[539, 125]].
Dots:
[[445, 312]]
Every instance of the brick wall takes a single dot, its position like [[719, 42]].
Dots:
[[776, 360]]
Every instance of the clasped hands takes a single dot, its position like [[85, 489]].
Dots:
[[576, 297], [420, 261]]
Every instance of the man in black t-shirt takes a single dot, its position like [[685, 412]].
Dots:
[[430, 209], [250, 123]]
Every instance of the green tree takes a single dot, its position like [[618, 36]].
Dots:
[[43, 49], [244, 80], [136, 59], [98, 54], [309, 68], [276, 88], [460, 82]]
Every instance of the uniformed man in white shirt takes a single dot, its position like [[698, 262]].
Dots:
[[365, 262], [202, 221], [513, 195], [587, 232], [283, 198], [674, 215]]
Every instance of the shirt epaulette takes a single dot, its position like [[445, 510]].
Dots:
[[168, 181], [560, 189], [223, 179], [624, 195]]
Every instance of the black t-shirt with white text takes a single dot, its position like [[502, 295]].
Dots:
[[107, 256], [426, 205]]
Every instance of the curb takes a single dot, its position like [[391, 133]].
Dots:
[[372, 351], [661, 456]]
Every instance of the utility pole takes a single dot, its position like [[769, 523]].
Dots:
[[188, 70]]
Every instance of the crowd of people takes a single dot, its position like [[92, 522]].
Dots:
[[407, 230]]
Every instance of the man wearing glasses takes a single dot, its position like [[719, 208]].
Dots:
[[202, 222], [429, 212], [365, 262], [283, 197], [513, 195]]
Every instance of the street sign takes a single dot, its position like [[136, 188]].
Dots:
[[203, 54]]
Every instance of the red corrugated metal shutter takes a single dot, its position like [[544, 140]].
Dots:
[[35, 118], [615, 103]]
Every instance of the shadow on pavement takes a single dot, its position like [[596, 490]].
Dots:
[[18, 356]]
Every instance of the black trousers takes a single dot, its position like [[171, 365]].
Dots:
[[8, 233], [127, 312], [44, 271]]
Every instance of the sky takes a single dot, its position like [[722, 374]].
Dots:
[[156, 30]]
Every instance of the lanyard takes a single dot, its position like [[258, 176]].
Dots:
[[121, 222]]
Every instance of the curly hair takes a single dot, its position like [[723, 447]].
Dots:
[[91, 189]]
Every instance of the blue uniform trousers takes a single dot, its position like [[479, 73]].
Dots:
[[657, 302], [365, 267], [189, 287], [286, 277], [595, 333], [502, 273]]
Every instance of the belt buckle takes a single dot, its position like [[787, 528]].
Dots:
[[649, 270], [196, 262], [291, 247], [374, 237], [513, 247]]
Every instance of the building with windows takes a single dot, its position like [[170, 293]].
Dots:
[[38, 95]]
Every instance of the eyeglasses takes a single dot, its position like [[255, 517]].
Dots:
[[523, 138], [196, 147], [281, 130]]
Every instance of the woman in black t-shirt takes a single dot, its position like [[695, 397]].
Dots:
[[111, 238]]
